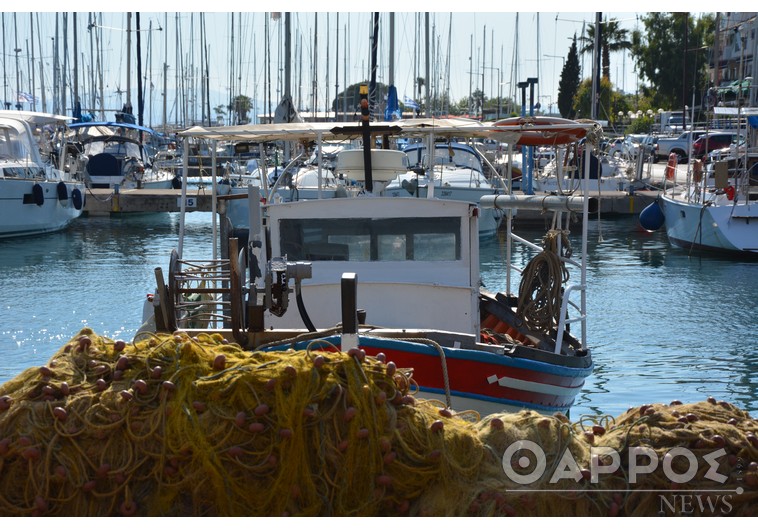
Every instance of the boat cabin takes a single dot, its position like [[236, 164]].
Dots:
[[416, 261]]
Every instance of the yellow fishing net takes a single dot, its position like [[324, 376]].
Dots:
[[173, 425]]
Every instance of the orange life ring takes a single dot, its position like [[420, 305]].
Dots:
[[542, 130], [670, 170]]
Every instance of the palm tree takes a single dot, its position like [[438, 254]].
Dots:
[[612, 39]]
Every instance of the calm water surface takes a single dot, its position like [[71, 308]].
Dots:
[[663, 325]]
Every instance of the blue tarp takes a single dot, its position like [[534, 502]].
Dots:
[[392, 112]]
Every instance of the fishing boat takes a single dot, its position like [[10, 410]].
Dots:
[[36, 196], [114, 154], [398, 278], [716, 208]]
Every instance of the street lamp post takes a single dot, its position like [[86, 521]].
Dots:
[[557, 57], [563, 64]]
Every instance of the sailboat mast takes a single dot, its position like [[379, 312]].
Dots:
[[596, 56], [6, 103], [56, 70], [415, 56], [514, 67], [165, 69], [31, 51], [287, 56], [484, 62], [326, 90], [391, 77], [98, 42], [336, 64], [41, 69], [93, 74], [426, 72], [314, 69], [16, 51], [75, 83], [539, 55], [207, 87], [344, 70], [471, 76], [140, 95], [64, 71], [149, 72], [374, 49], [447, 64], [128, 57]]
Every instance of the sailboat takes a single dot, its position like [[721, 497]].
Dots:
[[38, 195], [717, 209]]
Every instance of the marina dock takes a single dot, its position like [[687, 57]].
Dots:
[[103, 202]]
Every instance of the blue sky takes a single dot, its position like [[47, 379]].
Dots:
[[454, 35]]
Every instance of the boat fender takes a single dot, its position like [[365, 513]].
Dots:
[[39, 194], [651, 217], [670, 170], [729, 190], [62, 191], [77, 198], [176, 183]]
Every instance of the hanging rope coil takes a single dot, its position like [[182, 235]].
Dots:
[[541, 287]]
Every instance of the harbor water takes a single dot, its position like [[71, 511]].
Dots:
[[663, 325]]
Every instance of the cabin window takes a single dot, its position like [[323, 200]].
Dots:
[[402, 239]]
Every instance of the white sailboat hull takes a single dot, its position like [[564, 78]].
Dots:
[[719, 226], [21, 216]]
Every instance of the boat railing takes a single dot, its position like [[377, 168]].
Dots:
[[564, 319]]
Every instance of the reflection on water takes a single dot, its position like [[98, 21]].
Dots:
[[662, 325], [94, 274]]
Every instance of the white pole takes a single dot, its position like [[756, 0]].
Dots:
[[320, 147], [183, 206], [585, 223], [214, 195]]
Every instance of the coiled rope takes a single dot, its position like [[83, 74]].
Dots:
[[540, 290]]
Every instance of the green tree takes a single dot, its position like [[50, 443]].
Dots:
[[241, 105], [220, 112], [612, 39], [610, 101], [569, 82], [353, 93], [659, 51]]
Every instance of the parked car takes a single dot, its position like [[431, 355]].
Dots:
[[677, 145], [674, 125], [632, 144], [712, 141]]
